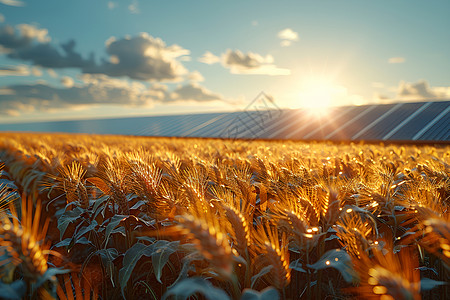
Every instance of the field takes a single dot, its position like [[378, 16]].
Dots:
[[113, 217]]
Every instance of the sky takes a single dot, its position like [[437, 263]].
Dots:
[[100, 59]]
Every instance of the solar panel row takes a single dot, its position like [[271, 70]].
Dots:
[[418, 121]]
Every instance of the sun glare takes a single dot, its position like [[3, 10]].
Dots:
[[318, 94]]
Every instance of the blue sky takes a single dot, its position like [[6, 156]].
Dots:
[[85, 58]]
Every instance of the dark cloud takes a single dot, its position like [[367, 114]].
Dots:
[[193, 92], [143, 58], [92, 90], [15, 71], [29, 43], [416, 91], [420, 89], [47, 56], [12, 39]]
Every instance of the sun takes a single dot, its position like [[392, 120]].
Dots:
[[318, 93]]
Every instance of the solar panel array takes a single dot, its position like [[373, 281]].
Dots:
[[418, 121]]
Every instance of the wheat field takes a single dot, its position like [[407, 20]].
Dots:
[[115, 217]]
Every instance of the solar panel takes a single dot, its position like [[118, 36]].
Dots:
[[417, 121]]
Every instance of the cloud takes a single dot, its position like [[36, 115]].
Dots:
[[29, 43], [15, 71], [287, 36], [251, 63], [2, 18], [94, 89], [52, 73], [196, 76], [417, 91], [142, 57], [12, 2], [134, 7], [112, 5], [22, 36], [193, 92], [67, 81], [209, 58], [36, 72], [421, 90], [396, 60]]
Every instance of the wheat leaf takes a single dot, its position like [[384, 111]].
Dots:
[[13, 291], [268, 293], [261, 273], [338, 259], [197, 285], [163, 250], [130, 260], [67, 218]]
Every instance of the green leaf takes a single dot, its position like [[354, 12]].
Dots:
[[98, 203], [297, 266], [85, 230], [269, 293], [107, 256], [338, 259], [197, 285], [427, 284], [113, 222], [187, 266], [163, 250], [261, 273], [130, 260], [67, 218], [13, 291], [66, 242]]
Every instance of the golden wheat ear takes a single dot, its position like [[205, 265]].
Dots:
[[388, 275], [274, 251], [24, 240]]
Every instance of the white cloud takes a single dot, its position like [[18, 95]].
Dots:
[[2, 18], [20, 70], [195, 76], [251, 63], [288, 34], [12, 2], [31, 32], [209, 58], [396, 60], [134, 7]]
